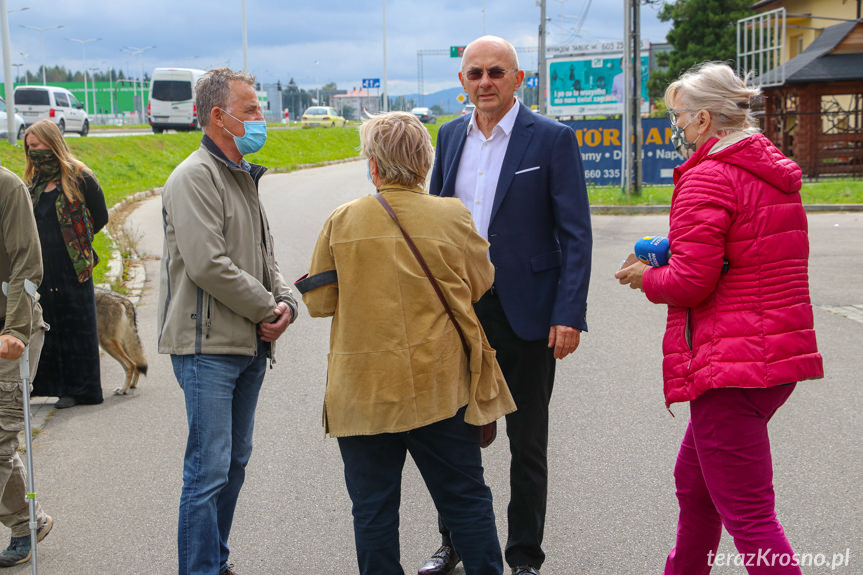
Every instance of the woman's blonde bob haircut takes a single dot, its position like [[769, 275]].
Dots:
[[71, 167], [401, 145], [713, 86]]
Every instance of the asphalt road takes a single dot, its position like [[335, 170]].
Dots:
[[111, 474]]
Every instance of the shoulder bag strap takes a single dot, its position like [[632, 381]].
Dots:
[[426, 269]]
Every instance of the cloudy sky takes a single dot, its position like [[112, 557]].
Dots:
[[313, 42]]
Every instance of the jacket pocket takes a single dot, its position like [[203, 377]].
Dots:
[[208, 314], [687, 329], [545, 261]]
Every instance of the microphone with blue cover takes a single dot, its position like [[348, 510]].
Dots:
[[653, 251]]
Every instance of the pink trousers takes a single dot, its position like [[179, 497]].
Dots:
[[724, 477]]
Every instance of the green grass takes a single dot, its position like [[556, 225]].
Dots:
[[842, 191], [125, 165], [833, 192], [98, 127]]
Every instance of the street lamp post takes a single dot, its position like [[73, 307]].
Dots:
[[93, 70], [84, 59], [292, 90], [26, 72], [42, 37], [137, 52], [384, 26], [317, 88], [111, 90], [245, 42]]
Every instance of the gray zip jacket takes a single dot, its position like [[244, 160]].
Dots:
[[219, 278]]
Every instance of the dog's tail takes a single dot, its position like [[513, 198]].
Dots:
[[135, 348]]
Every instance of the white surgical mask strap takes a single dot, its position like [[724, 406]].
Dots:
[[234, 117]]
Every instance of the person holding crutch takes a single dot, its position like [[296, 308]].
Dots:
[[20, 325]]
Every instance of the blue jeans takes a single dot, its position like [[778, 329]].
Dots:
[[221, 396], [447, 454]]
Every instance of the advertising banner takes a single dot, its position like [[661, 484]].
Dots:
[[600, 144], [590, 85]]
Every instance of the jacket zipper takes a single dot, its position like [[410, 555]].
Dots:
[[687, 335], [209, 318]]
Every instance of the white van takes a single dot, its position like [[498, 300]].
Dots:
[[36, 103], [172, 99]]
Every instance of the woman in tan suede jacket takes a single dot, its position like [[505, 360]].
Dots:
[[399, 378]]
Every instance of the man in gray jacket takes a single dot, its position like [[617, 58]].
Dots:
[[20, 324], [222, 305]]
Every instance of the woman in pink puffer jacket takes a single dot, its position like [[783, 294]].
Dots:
[[740, 327]]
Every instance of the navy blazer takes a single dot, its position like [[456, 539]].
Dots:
[[540, 222]]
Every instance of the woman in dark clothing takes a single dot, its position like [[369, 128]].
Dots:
[[70, 209]]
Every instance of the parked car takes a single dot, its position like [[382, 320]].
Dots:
[[59, 105], [19, 122], [468, 109], [425, 115], [323, 116]]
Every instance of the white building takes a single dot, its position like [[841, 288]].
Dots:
[[358, 100]]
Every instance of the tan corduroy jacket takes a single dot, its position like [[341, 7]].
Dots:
[[396, 362]]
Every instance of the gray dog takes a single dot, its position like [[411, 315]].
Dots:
[[117, 325]]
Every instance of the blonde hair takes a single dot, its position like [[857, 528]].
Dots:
[[713, 86], [49, 134], [401, 145]]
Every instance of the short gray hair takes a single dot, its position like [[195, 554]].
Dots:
[[713, 86], [401, 145], [213, 90]]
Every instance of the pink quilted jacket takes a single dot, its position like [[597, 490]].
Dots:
[[752, 325]]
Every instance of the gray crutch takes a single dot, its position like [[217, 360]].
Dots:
[[24, 367]]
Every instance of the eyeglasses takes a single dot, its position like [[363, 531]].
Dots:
[[674, 115], [495, 73]]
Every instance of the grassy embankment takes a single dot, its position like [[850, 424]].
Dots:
[[125, 165]]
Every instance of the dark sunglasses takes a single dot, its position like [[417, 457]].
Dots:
[[493, 73]]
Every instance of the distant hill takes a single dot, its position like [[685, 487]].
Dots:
[[446, 99]]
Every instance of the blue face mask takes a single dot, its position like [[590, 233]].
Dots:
[[254, 138]]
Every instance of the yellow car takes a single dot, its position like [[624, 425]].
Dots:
[[323, 116]]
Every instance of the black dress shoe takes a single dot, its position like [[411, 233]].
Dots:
[[442, 562], [66, 401], [525, 570]]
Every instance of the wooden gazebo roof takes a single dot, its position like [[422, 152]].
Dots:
[[835, 56]]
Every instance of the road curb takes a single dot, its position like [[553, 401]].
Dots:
[[42, 408]]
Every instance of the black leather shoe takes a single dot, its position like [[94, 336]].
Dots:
[[442, 562], [525, 570], [66, 401]]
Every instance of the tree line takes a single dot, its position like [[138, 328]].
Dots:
[[701, 30], [55, 74]]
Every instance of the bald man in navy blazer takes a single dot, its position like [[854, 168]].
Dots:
[[520, 174]]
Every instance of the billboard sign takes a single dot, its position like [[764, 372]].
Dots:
[[600, 144], [589, 85]]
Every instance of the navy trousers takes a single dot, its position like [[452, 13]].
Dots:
[[528, 367], [447, 454]]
